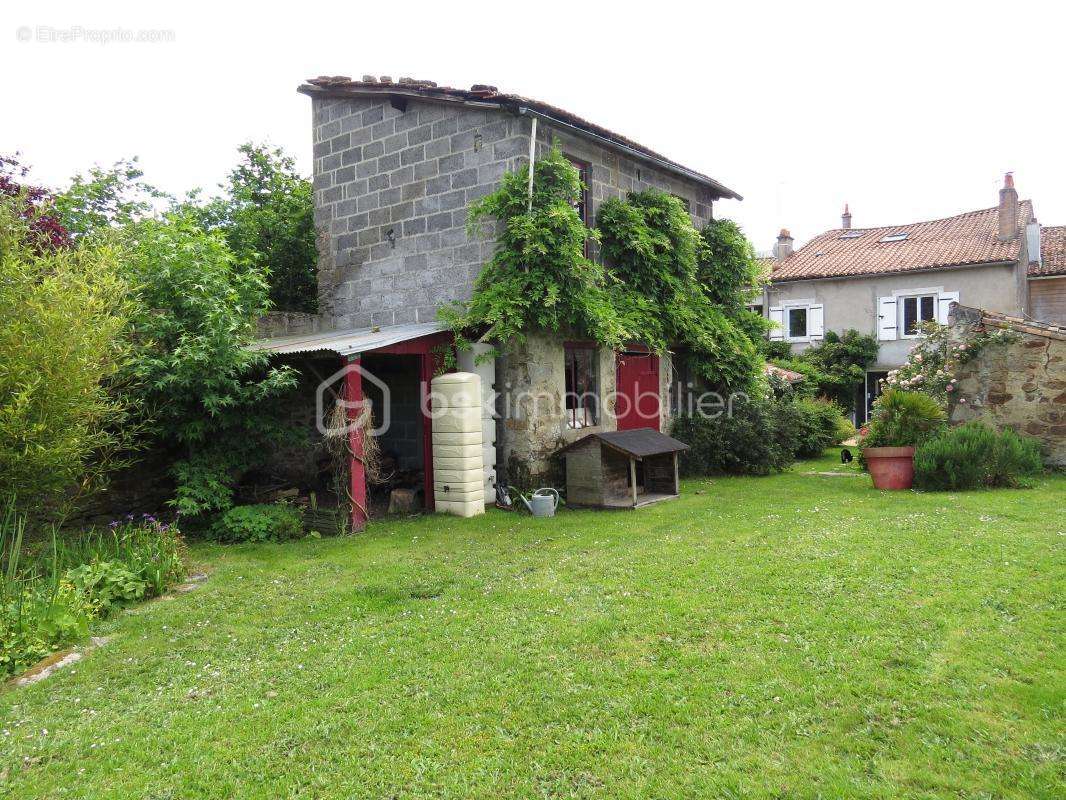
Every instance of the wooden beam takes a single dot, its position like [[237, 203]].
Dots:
[[633, 478], [677, 480], [353, 390]]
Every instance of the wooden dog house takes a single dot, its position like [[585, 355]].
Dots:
[[622, 469]]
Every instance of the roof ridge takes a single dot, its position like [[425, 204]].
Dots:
[[919, 222], [490, 95]]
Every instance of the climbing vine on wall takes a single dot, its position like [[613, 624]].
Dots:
[[650, 288], [934, 360], [664, 287]]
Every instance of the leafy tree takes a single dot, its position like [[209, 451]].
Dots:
[[33, 204], [201, 392], [106, 198], [841, 361], [63, 315], [266, 212]]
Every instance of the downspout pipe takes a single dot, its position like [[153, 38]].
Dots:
[[532, 157]]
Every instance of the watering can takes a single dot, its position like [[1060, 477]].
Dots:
[[542, 503]]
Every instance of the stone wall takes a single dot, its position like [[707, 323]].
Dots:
[[532, 385], [1020, 385]]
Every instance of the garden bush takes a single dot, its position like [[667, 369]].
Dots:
[[259, 523], [51, 592], [760, 436], [974, 456], [818, 424], [903, 419], [63, 319]]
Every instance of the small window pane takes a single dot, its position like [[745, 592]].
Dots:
[[580, 390], [797, 323], [927, 308], [910, 316]]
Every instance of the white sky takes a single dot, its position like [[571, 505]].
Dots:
[[905, 110]]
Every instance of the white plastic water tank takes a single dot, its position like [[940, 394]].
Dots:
[[479, 360], [458, 455]]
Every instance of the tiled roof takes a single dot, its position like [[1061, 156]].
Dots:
[[784, 374], [490, 95], [994, 319], [1052, 252], [962, 240]]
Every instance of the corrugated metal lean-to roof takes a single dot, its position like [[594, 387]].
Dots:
[[347, 343]]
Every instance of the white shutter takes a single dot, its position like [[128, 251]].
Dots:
[[886, 318], [943, 306], [815, 322], [777, 317]]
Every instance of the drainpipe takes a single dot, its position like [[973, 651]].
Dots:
[[532, 156]]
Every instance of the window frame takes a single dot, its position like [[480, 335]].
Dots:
[[901, 312], [588, 394], [787, 310], [584, 205]]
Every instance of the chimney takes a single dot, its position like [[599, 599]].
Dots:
[[783, 248], [845, 219], [1008, 209], [1032, 243]]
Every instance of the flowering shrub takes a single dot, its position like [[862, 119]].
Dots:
[[935, 359], [49, 596]]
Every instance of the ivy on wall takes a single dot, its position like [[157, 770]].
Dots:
[[662, 282]]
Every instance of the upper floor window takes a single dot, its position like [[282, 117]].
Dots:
[[797, 323], [901, 314], [582, 204], [579, 366], [915, 310]]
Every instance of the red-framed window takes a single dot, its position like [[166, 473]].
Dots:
[[582, 387]]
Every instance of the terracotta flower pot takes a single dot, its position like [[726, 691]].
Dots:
[[890, 467]]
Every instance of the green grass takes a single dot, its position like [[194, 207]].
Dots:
[[791, 636]]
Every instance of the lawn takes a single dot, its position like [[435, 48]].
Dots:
[[792, 636]]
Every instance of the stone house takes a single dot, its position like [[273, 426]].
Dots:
[[887, 281], [396, 166], [1020, 385]]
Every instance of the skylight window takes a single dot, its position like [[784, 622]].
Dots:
[[895, 237], [851, 234]]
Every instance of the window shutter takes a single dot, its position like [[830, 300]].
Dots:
[[943, 306], [886, 318], [777, 317], [815, 322]]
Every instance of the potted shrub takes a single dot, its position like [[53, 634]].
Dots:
[[901, 420]]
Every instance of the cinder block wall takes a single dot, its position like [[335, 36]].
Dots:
[[415, 172]]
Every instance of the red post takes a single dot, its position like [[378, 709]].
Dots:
[[428, 368], [353, 390]]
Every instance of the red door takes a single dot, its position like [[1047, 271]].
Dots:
[[637, 404]]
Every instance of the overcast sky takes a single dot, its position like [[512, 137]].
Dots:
[[905, 111]]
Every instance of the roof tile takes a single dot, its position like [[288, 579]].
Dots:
[[962, 240], [1052, 252]]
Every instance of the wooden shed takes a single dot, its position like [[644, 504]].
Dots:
[[622, 469]]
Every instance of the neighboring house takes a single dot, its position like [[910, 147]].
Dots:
[[887, 281], [396, 167], [1047, 278]]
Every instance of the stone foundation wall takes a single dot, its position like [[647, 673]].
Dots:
[[532, 384], [1021, 385]]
